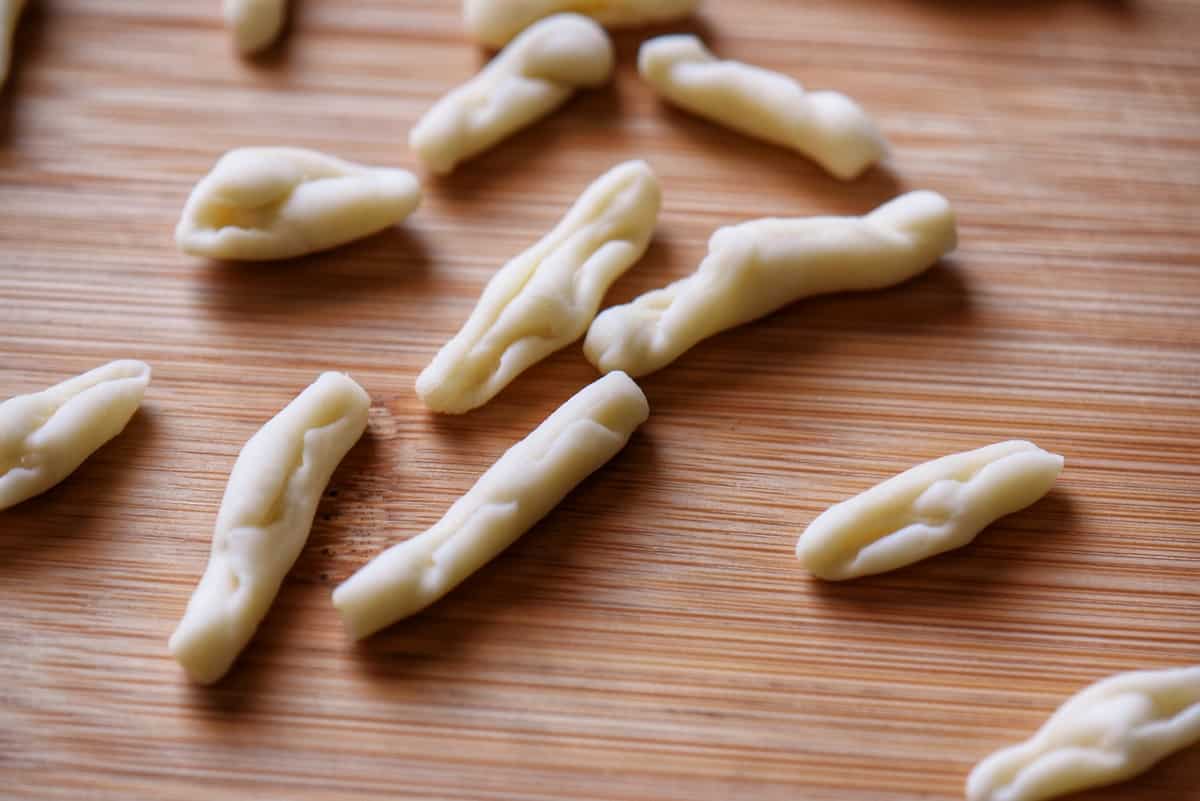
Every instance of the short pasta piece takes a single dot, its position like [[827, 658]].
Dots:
[[517, 491], [828, 127], [545, 298], [932, 508], [264, 521], [10, 14], [255, 24], [45, 436], [758, 267], [265, 203], [495, 22], [531, 77], [1108, 732]]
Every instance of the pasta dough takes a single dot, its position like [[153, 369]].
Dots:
[[1109, 732], [495, 22], [10, 14], [934, 507], [255, 23], [45, 436], [534, 75], [517, 491], [828, 127], [758, 267], [265, 519], [262, 203], [545, 298]]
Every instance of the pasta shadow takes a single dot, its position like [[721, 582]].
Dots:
[[394, 258]]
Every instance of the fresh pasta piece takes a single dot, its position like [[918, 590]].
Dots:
[[10, 14], [545, 298], [255, 24], [264, 203], [1106, 733], [495, 22], [45, 436], [534, 75], [264, 521], [516, 492], [931, 508], [828, 127], [758, 267]]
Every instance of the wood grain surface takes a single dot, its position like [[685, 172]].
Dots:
[[653, 638]]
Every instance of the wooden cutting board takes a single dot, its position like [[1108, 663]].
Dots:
[[653, 638]]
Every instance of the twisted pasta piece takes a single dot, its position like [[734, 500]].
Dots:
[[1106, 733], [45, 436], [517, 491], [263, 203], [531, 77], [758, 267], [931, 508], [544, 298], [828, 127], [495, 22], [264, 521]]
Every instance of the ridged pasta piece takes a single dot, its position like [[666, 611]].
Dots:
[[931, 508], [544, 299], [45, 436], [828, 127], [265, 203], [517, 491], [758, 267], [264, 521], [1108, 732], [531, 77]]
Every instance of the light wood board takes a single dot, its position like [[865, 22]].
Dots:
[[653, 638]]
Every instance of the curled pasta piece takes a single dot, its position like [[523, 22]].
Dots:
[[255, 24], [264, 521], [495, 22], [931, 508], [828, 127], [45, 436], [545, 298], [1106, 733], [531, 77], [264, 203], [758, 267], [517, 491]]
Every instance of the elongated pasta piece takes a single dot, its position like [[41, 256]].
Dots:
[[934, 507], [534, 75], [45, 436], [264, 203], [828, 127], [495, 22], [264, 521], [758, 267], [10, 14], [517, 491], [1106, 733], [255, 24], [545, 298]]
